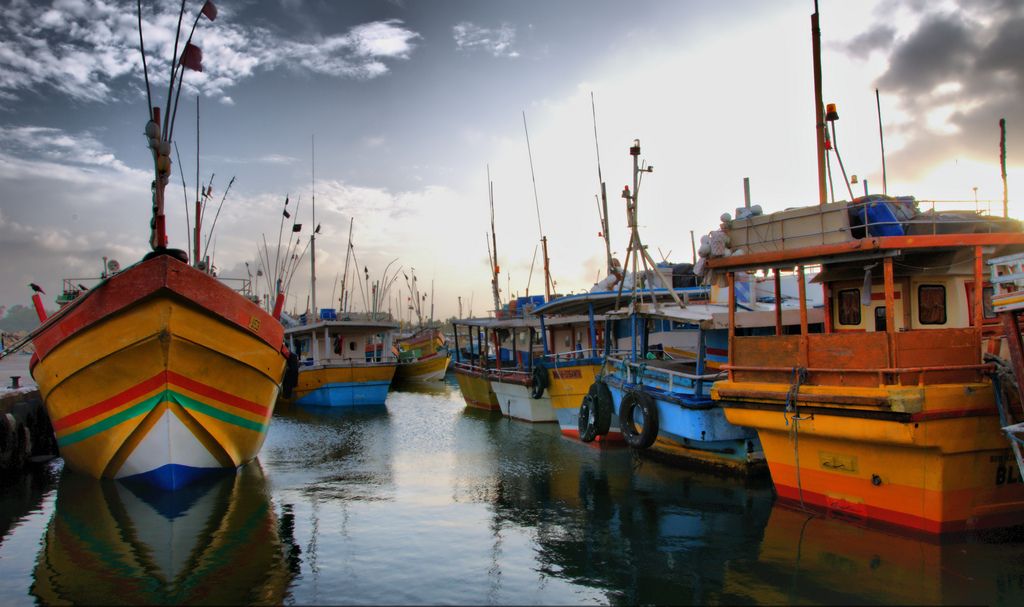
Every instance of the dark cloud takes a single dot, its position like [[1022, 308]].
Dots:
[[967, 63], [880, 38]]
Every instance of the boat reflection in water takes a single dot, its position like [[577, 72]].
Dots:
[[816, 560], [215, 542], [639, 531]]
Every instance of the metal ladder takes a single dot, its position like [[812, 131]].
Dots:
[[1007, 278]]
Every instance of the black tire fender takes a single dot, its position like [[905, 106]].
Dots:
[[603, 406], [291, 375], [585, 421], [540, 381], [631, 401]]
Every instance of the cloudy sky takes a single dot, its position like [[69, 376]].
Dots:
[[406, 103]]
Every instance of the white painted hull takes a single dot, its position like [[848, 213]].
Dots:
[[514, 401]]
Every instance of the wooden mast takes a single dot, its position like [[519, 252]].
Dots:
[[819, 118]]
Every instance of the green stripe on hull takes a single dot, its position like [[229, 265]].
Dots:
[[148, 405]]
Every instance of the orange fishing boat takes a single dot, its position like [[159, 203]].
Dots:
[[889, 415]]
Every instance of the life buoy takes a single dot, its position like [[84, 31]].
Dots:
[[291, 375], [540, 381], [631, 401]]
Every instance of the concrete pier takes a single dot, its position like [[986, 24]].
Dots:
[[26, 434]]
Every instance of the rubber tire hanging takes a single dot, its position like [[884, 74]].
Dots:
[[632, 400], [540, 381]]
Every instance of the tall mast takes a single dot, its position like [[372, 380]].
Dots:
[[312, 235], [344, 275], [494, 248], [195, 260], [819, 118], [540, 228], [603, 210]]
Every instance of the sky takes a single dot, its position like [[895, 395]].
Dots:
[[392, 113]]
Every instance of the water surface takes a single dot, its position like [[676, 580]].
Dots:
[[426, 502]]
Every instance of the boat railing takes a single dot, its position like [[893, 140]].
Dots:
[[309, 361], [885, 376], [576, 355], [635, 371]]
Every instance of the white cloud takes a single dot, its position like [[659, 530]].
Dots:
[[496, 41], [81, 48]]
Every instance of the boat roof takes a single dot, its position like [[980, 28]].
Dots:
[[605, 301], [716, 316], [514, 322], [366, 326], [874, 247]]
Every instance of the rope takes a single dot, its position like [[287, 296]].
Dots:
[[792, 412]]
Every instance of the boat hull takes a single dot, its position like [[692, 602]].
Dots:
[[147, 379], [946, 469], [698, 437], [425, 369], [515, 402], [568, 383], [358, 385], [476, 389]]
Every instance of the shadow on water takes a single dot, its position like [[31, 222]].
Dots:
[[23, 493], [219, 543]]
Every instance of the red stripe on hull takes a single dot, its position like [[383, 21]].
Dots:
[[111, 403], [151, 384], [884, 516], [224, 397], [611, 437]]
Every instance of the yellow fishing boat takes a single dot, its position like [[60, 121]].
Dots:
[[342, 363], [422, 356], [160, 371]]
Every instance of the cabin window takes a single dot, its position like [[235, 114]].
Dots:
[[352, 346], [880, 318], [931, 304], [849, 307], [986, 302]]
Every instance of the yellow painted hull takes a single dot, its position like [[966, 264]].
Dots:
[[476, 390], [431, 368], [567, 386], [945, 467], [359, 384], [159, 366]]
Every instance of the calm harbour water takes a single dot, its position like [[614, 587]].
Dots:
[[426, 502]]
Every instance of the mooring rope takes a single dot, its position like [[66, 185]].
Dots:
[[792, 412]]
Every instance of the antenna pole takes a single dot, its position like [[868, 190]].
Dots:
[[881, 142], [1002, 164]]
